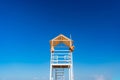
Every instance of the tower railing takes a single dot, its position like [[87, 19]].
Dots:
[[61, 57]]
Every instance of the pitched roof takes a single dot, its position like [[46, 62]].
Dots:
[[61, 39]]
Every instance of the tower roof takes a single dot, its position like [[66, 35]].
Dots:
[[61, 39]]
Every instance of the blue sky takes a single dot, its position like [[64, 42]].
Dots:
[[27, 26]]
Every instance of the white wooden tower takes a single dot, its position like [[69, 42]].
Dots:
[[61, 58]]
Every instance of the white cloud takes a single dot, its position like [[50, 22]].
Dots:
[[35, 78], [100, 77]]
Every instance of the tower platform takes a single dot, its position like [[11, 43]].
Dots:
[[60, 65]]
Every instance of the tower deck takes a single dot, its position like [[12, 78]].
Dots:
[[61, 65]]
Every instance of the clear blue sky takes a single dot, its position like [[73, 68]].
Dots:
[[26, 26]]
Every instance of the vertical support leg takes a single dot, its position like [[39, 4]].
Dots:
[[72, 78], [69, 74], [51, 72], [51, 69]]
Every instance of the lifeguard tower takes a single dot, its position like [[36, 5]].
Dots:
[[61, 63]]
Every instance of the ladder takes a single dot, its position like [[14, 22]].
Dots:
[[59, 74]]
